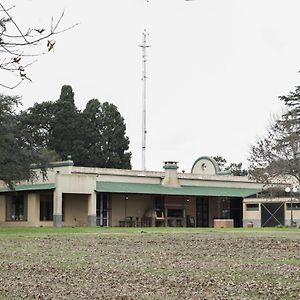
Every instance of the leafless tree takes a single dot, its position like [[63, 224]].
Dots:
[[19, 47]]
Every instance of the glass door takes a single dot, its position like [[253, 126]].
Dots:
[[103, 209], [202, 212]]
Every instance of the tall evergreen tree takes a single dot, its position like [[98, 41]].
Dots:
[[67, 134], [17, 153], [108, 144], [37, 124], [94, 137]]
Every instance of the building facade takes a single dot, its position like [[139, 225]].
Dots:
[[81, 196]]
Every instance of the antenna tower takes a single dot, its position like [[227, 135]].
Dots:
[[144, 46]]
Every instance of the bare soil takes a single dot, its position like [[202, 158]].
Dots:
[[203, 264]]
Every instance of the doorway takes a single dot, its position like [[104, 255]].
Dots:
[[236, 211], [272, 214], [103, 209], [202, 212]]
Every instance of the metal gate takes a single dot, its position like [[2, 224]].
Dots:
[[272, 214]]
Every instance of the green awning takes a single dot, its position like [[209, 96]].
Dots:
[[157, 189], [30, 187]]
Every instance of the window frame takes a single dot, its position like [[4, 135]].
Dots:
[[252, 206], [17, 215], [46, 201], [296, 206]]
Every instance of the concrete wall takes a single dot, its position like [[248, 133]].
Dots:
[[251, 216], [76, 183], [204, 166], [255, 216], [75, 210], [33, 211]]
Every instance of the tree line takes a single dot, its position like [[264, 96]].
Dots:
[[53, 130]]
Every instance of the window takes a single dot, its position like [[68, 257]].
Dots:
[[252, 206], [46, 207], [175, 213], [296, 206], [16, 208]]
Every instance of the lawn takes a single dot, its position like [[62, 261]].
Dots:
[[149, 263]]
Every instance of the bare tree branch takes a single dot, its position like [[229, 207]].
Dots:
[[13, 47]]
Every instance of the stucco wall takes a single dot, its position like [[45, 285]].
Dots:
[[32, 211], [76, 183], [255, 216], [204, 166], [75, 210]]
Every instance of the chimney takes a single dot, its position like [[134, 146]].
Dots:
[[171, 178]]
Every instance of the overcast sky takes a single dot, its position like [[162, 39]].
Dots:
[[215, 69]]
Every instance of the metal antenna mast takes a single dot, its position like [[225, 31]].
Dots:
[[144, 78]]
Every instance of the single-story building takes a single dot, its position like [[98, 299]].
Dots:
[[84, 196], [273, 206]]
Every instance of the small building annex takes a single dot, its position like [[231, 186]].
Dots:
[[83, 196]]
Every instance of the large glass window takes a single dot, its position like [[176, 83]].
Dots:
[[46, 207], [16, 208]]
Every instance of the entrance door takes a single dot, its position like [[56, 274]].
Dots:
[[103, 209], [202, 212], [272, 214], [236, 211]]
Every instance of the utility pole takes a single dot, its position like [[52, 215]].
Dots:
[[144, 46]]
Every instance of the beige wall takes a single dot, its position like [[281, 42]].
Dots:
[[76, 184], [33, 211], [75, 210], [296, 215], [136, 206], [207, 169], [251, 214], [256, 215]]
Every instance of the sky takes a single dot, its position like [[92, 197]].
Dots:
[[215, 69]]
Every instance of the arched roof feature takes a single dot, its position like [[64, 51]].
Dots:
[[205, 165]]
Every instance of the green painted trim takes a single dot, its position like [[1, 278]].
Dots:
[[170, 167], [66, 163], [211, 160], [224, 173], [158, 189], [29, 187]]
